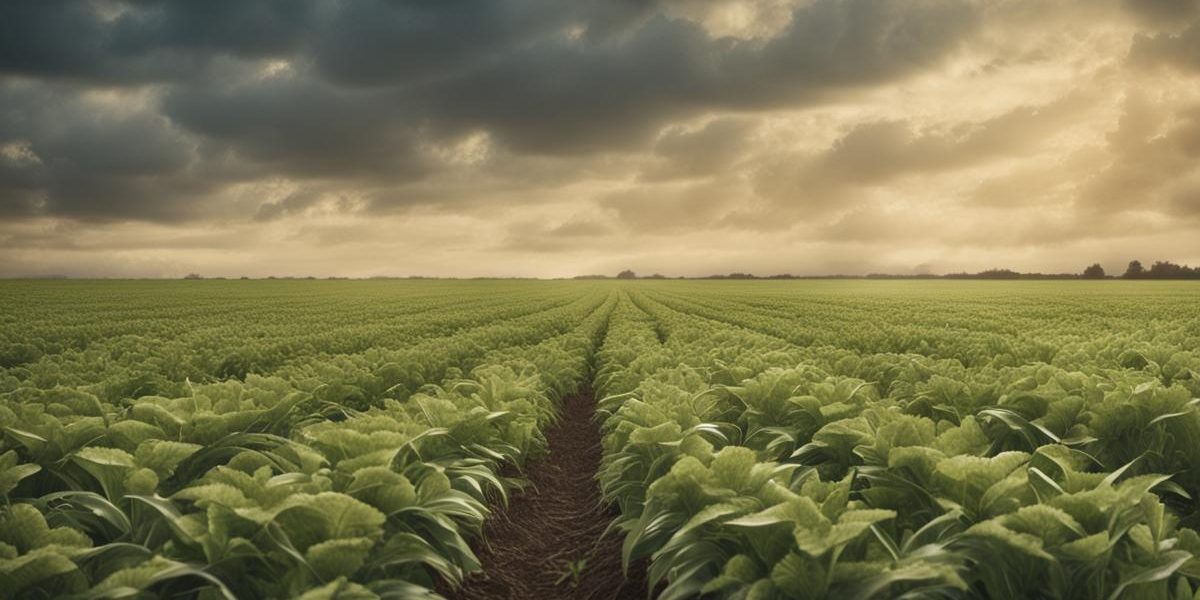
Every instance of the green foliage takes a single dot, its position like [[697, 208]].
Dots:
[[761, 440], [319, 464], [894, 463]]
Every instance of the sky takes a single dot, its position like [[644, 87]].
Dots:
[[549, 138]]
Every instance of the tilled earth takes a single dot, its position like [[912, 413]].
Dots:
[[556, 520]]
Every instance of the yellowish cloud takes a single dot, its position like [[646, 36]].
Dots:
[[558, 138]]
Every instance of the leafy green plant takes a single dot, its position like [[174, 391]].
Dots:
[[574, 572]]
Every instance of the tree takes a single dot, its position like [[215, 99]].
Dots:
[[1094, 272], [192, 276], [1135, 270], [1166, 270], [626, 274]]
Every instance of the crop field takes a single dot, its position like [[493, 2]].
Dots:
[[600, 439]]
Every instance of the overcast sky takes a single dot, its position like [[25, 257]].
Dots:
[[555, 138]]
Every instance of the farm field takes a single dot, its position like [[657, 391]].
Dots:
[[600, 439]]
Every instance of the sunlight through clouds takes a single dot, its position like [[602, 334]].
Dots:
[[549, 138]]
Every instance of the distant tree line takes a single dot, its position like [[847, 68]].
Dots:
[[1009, 274], [1159, 270]]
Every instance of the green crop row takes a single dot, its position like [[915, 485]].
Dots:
[[351, 476], [748, 467], [977, 440]]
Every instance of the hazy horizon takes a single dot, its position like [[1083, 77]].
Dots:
[[544, 138], [1116, 274]]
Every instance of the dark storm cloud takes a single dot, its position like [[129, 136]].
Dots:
[[302, 128], [365, 42], [563, 96], [566, 95], [132, 43], [379, 42], [21, 191], [58, 38], [359, 92], [84, 159], [261, 28]]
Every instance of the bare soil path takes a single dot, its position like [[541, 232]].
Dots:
[[557, 520]]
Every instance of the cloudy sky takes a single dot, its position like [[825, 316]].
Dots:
[[555, 138]]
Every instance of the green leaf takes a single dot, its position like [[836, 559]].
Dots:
[[93, 504], [993, 531], [10, 477], [108, 465], [403, 549], [1163, 567], [341, 589], [801, 511], [329, 515], [171, 515], [338, 558], [127, 582]]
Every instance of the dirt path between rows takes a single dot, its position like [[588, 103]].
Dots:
[[558, 519]]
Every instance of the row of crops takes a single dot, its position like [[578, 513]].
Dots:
[[953, 460], [761, 440], [321, 472]]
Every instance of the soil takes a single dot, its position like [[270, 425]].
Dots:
[[559, 518]]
